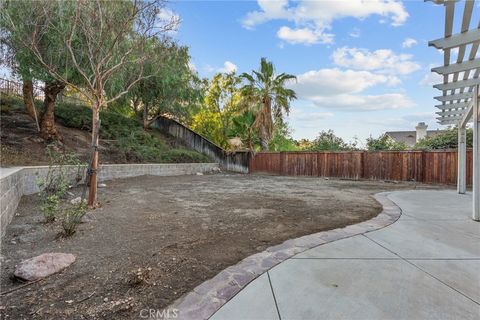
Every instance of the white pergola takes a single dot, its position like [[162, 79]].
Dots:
[[460, 87]]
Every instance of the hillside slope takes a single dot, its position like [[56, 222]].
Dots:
[[122, 139]]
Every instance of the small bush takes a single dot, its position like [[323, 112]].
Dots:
[[55, 184], [72, 216], [50, 207]]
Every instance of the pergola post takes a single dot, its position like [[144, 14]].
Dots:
[[476, 155], [462, 160]]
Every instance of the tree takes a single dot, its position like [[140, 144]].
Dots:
[[328, 141], [384, 142], [267, 96], [220, 105], [173, 87], [101, 39], [447, 139], [242, 127], [24, 63], [281, 138], [304, 144]]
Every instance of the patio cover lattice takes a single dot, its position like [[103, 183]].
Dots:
[[460, 87]]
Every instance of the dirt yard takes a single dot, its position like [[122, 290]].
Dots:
[[179, 231]]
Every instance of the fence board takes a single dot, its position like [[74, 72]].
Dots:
[[434, 167]]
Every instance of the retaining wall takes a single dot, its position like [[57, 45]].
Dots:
[[16, 182]]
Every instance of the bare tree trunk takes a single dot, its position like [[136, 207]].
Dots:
[[48, 130], [92, 193], [28, 100], [263, 144]]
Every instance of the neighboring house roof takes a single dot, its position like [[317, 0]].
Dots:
[[410, 137]]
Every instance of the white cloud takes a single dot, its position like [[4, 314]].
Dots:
[[355, 33], [365, 102], [430, 79], [409, 42], [318, 16], [331, 82], [342, 89], [305, 118], [228, 67], [303, 35], [382, 60]]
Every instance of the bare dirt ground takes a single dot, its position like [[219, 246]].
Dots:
[[179, 230]]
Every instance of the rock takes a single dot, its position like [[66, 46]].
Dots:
[[43, 265], [77, 200], [199, 174], [68, 193], [102, 185]]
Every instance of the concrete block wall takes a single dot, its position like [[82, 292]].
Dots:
[[19, 181]]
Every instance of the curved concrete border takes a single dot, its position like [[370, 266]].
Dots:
[[208, 297]]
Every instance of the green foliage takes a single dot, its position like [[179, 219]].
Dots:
[[328, 141], [242, 127], [282, 140], [25, 27], [213, 120], [384, 142], [172, 87], [72, 216], [444, 140], [129, 138], [55, 184], [268, 97], [182, 156], [50, 207]]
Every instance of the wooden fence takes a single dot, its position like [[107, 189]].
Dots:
[[435, 167]]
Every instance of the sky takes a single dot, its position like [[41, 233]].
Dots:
[[362, 67]]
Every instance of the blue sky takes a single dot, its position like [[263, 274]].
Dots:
[[363, 68]]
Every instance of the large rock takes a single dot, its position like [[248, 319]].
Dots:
[[43, 265]]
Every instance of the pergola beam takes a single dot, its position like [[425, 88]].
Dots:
[[451, 97], [448, 122], [457, 40], [451, 112], [457, 67], [452, 105], [457, 84]]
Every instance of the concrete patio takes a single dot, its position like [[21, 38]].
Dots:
[[424, 266]]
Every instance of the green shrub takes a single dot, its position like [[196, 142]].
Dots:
[[72, 216], [55, 184], [130, 138], [50, 207], [183, 155], [447, 139]]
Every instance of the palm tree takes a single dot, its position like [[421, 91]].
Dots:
[[265, 92]]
